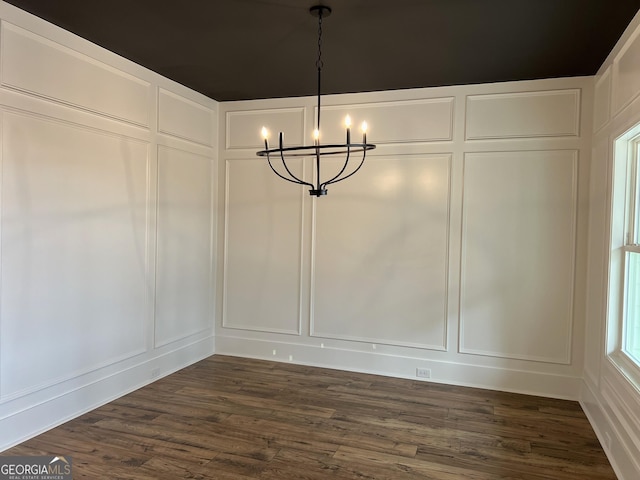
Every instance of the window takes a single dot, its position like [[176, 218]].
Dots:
[[623, 339], [630, 341], [631, 332]]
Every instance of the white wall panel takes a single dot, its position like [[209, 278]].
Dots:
[[73, 251], [626, 73], [594, 341], [183, 284], [518, 249], [184, 118], [381, 253], [377, 273], [36, 65], [621, 398], [426, 120], [602, 100], [262, 249], [519, 115], [244, 128], [610, 394], [78, 226]]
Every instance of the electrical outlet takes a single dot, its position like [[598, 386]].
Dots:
[[155, 373], [423, 372]]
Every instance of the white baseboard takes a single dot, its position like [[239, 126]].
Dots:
[[34, 419], [621, 452], [516, 381]]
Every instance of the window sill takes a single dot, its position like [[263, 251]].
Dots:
[[627, 368]]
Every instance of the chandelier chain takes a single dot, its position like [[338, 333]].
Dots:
[[319, 62]]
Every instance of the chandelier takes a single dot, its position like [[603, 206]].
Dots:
[[317, 150]]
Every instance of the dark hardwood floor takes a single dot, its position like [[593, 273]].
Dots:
[[233, 418]]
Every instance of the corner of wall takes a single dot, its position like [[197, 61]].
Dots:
[[121, 293]]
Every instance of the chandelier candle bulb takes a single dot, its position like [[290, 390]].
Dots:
[[347, 123]]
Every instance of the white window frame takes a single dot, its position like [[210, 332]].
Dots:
[[625, 239]]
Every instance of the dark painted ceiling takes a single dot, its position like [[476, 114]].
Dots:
[[248, 49]]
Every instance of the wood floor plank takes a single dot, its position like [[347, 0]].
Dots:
[[282, 403], [476, 463], [236, 418], [296, 465], [416, 467]]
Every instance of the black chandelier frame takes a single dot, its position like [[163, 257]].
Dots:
[[317, 150]]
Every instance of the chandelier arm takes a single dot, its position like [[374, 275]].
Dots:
[[301, 182], [297, 180], [344, 167], [364, 155]]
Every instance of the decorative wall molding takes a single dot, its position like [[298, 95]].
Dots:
[[361, 246], [184, 283], [373, 362], [78, 224], [38, 66], [243, 127], [183, 118], [431, 120], [626, 74], [404, 257], [518, 268], [264, 222], [611, 400], [616, 399], [602, 100], [39, 216], [551, 113], [621, 452], [596, 306]]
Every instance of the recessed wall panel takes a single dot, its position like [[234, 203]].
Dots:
[[602, 100], [36, 65], [183, 284], [380, 257], [518, 249], [74, 252], [262, 248], [626, 73], [427, 120], [553, 113], [594, 341], [184, 118], [244, 128]]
